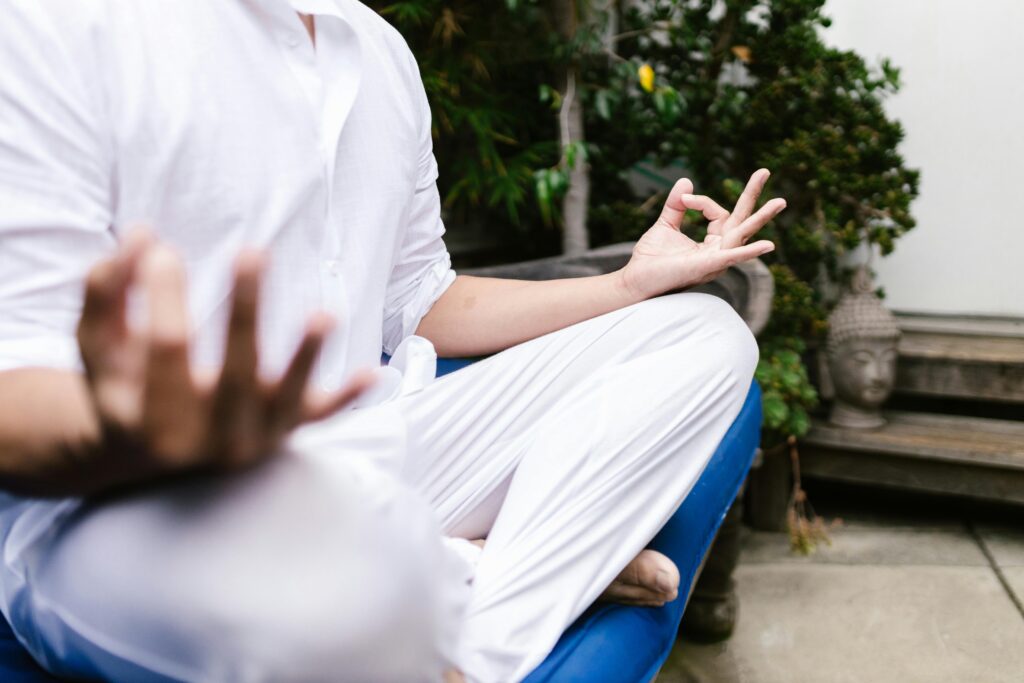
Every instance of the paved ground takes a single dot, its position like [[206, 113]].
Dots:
[[912, 589]]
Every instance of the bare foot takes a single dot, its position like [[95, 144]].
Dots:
[[649, 580], [453, 676]]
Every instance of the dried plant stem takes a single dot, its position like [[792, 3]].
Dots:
[[806, 529]]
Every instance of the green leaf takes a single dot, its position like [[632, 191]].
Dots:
[[799, 423], [542, 186], [791, 379], [775, 409], [602, 104]]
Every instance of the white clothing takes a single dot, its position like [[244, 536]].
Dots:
[[568, 452], [219, 124]]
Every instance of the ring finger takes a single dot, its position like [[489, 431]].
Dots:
[[739, 235]]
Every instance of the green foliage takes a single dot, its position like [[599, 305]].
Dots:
[[481, 63], [760, 88], [737, 85], [787, 391]]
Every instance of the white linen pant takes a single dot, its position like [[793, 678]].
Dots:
[[567, 453]]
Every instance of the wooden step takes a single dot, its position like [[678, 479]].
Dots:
[[962, 357], [975, 457]]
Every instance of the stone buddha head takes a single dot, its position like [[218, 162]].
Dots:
[[861, 350]]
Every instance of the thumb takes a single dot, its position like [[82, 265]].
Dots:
[[674, 209]]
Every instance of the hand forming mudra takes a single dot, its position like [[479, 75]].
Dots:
[[147, 397], [665, 259]]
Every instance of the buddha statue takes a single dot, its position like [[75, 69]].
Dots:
[[861, 353]]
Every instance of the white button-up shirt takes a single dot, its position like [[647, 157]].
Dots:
[[220, 125]]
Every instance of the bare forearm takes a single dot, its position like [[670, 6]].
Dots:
[[478, 316], [50, 442]]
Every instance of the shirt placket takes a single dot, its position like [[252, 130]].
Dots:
[[339, 63], [329, 77]]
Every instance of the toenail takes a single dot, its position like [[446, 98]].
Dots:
[[664, 582]]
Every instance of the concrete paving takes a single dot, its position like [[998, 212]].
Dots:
[[859, 544], [1015, 580], [1005, 543], [901, 596]]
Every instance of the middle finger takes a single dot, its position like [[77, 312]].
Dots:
[[748, 200], [748, 228], [240, 355]]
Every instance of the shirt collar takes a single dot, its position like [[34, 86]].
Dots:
[[329, 7]]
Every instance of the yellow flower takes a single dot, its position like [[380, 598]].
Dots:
[[646, 76], [742, 53]]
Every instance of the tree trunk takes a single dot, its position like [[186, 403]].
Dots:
[[575, 239]]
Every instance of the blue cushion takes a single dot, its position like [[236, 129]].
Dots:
[[608, 643], [619, 644], [15, 664]]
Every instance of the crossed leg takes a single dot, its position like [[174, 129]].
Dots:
[[317, 566], [568, 453]]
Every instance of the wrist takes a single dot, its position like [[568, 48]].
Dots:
[[120, 459], [110, 456], [625, 292], [111, 461]]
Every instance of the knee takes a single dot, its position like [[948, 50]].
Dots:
[[735, 344], [716, 336], [381, 604], [378, 616], [335, 585]]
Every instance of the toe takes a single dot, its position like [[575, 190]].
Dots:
[[632, 595], [650, 579], [657, 572]]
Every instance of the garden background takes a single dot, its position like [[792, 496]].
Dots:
[[561, 124]]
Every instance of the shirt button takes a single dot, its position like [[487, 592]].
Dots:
[[334, 268], [292, 40]]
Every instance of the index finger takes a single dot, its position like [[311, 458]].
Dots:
[[709, 208]]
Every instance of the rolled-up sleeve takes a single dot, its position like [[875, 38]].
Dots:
[[54, 185], [422, 270]]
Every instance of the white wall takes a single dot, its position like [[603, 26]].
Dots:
[[962, 105]]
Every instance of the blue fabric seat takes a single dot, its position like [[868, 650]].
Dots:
[[608, 643], [619, 644]]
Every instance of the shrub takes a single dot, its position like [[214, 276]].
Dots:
[[710, 89]]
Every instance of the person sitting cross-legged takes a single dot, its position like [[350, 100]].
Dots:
[[208, 479]]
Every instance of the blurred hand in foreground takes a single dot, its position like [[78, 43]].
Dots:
[[148, 400]]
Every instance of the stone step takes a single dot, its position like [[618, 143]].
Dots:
[[967, 456], [962, 357]]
